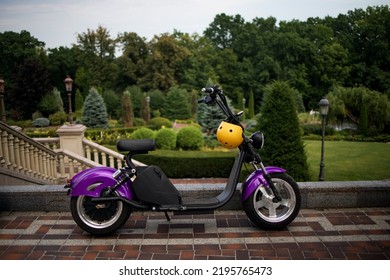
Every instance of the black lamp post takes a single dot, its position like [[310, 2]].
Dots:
[[68, 86], [148, 108], [243, 107], [324, 108], [2, 100]]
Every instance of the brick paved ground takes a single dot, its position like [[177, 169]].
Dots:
[[315, 234]]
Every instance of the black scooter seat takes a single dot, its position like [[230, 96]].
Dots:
[[136, 146]]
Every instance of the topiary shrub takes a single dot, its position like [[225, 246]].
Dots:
[[143, 133], [58, 118], [166, 139], [36, 115], [190, 138], [41, 122], [279, 123], [139, 122], [160, 122]]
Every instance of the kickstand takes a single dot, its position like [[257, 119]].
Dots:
[[167, 216]]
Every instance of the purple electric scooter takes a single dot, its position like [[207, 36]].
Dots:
[[102, 198]]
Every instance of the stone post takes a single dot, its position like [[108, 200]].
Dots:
[[71, 138]]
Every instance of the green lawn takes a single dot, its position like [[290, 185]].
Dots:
[[349, 161]]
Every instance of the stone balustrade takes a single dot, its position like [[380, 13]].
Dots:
[[52, 160], [21, 154]]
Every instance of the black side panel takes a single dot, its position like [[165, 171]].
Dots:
[[153, 186]]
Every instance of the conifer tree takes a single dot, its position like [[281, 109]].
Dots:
[[59, 102], [79, 100], [279, 122], [94, 110], [210, 116], [145, 108], [251, 105], [176, 104], [127, 110]]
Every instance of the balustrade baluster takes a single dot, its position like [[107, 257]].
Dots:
[[17, 154], [87, 151], [11, 151], [23, 156], [32, 160], [62, 165], [96, 155], [71, 168], [2, 161], [119, 163], [26, 157], [36, 162], [112, 163], [40, 164], [44, 166], [53, 167], [4, 142], [104, 158]]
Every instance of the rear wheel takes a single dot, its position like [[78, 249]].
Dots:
[[267, 214], [99, 218]]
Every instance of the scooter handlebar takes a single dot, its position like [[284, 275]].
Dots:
[[210, 97], [208, 90]]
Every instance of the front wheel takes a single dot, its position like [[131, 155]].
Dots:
[[265, 213], [99, 218]]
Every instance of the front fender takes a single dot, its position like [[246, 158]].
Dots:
[[92, 181], [256, 179]]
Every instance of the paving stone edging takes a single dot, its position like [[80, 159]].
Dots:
[[345, 194]]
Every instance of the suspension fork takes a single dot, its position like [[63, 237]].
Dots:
[[271, 184], [267, 176]]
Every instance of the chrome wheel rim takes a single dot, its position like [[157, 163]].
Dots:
[[275, 212], [98, 215]]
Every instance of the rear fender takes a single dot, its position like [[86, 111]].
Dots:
[[256, 179], [91, 182]]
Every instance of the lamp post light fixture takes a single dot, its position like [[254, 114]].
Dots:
[[2, 100], [148, 107], [68, 86], [243, 107], [324, 108]]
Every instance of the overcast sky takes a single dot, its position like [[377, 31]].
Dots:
[[57, 22]]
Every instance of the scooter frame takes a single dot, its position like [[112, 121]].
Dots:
[[97, 180], [101, 182]]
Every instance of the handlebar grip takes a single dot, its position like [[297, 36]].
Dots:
[[208, 90]]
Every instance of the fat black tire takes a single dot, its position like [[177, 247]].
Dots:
[[266, 214], [99, 218]]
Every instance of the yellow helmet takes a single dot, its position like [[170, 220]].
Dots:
[[229, 135]]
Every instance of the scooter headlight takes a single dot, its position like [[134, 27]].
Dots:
[[257, 140]]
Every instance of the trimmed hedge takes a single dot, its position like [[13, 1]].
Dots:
[[191, 167], [317, 129]]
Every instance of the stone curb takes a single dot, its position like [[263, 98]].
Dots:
[[345, 194]]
